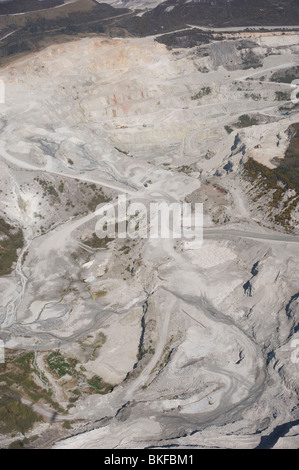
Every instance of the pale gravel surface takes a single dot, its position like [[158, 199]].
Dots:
[[207, 381]]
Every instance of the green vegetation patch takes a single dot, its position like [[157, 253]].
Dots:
[[17, 382], [96, 242], [98, 198], [14, 415], [282, 96], [125, 249], [61, 187], [143, 351], [98, 385], [203, 92], [21, 444], [276, 182], [10, 241], [186, 39], [272, 178], [184, 169], [59, 365], [246, 121], [67, 425], [98, 294], [286, 75], [17, 373], [289, 166], [228, 129]]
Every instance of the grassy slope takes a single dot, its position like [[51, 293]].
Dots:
[[288, 170], [10, 241], [274, 183], [289, 167]]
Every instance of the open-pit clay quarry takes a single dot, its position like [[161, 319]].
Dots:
[[134, 343]]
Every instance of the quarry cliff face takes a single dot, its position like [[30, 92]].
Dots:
[[161, 341]]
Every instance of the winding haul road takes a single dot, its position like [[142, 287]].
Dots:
[[61, 232]]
